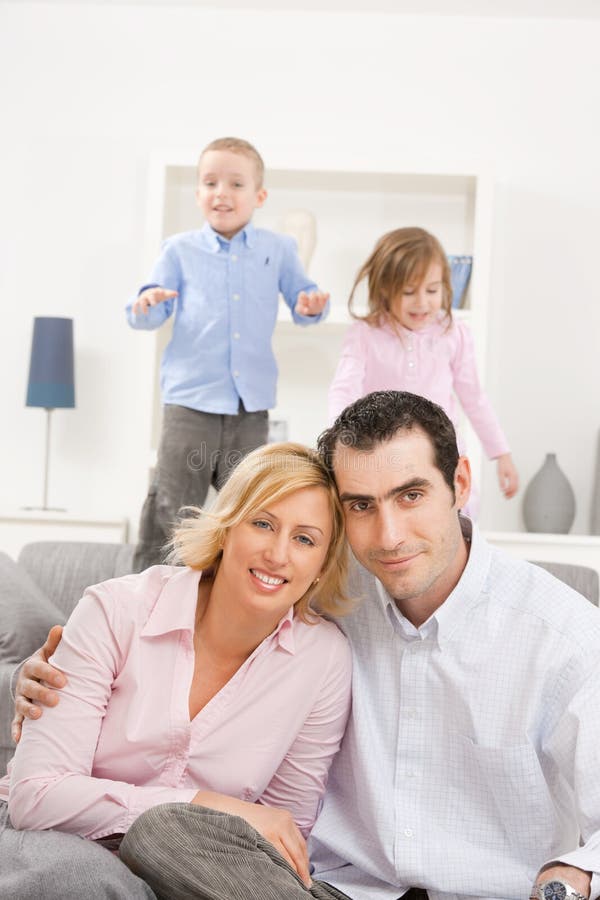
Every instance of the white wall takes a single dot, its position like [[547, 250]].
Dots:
[[90, 91]]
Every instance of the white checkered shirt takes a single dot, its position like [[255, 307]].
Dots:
[[472, 755]]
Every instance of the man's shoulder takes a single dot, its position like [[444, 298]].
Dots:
[[530, 591]]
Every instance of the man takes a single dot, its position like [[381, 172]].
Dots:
[[469, 767]]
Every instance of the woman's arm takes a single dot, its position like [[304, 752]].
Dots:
[[300, 780], [51, 781]]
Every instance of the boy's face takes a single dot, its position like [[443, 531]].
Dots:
[[227, 192]]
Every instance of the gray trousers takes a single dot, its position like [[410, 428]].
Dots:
[[196, 450], [54, 865], [185, 851]]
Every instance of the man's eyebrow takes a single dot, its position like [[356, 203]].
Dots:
[[411, 485]]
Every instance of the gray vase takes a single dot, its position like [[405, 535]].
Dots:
[[549, 501], [595, 512]]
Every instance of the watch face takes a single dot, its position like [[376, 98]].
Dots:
[[555, 890]]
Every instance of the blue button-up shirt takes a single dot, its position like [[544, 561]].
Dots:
[[225, 314]]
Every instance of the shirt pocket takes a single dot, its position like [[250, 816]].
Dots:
[[507, 785]]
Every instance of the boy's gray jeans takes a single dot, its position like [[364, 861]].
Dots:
[[196, 450]]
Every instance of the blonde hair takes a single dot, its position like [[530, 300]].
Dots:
[[400, 258], [265, 476], [244, 148]]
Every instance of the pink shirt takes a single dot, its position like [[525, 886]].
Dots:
[[121, 740], [436, 362]]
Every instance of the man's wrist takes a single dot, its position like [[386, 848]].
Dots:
[[555, 889]]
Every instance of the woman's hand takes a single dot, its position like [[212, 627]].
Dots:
[[28, 687], [276, 826], [508, 477]]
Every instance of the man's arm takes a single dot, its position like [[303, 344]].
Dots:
[[33, 671]]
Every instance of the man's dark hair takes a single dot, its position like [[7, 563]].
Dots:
[[377, 417]]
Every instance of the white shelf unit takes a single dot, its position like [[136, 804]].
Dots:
[[352, 209], [20, 527], [577, 549]]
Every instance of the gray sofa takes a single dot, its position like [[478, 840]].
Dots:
[[43, 586], [38, 591]]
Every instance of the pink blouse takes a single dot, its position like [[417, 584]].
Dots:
[[437, 362], [121, 740]]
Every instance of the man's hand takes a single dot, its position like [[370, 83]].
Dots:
[[28, 688], [311, 304], [276, 826], [508, 477], [151, 297], [578, 878]]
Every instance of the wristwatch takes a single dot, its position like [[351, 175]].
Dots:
[[555, 890]]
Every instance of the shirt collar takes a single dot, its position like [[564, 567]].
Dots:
[[453, 614], [175, 609], [454, 611], [216, 242]]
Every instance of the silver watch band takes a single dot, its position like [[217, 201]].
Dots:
[[555, 889]]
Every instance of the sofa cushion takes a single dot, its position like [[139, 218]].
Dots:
[[26, 613]]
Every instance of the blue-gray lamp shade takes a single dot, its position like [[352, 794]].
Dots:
[[51, 383]]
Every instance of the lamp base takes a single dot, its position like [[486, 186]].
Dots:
[[43, 508]]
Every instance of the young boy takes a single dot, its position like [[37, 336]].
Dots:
[[218, 373]]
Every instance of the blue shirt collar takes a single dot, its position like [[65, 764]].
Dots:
[[216, 242]]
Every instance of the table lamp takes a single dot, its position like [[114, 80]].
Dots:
[[51, 383]]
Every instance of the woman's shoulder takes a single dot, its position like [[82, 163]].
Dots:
[[319, 634], [135, 596]]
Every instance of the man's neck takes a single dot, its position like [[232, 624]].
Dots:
[[420, 608]]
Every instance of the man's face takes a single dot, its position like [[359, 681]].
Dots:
[[401, 518], [227, 192]]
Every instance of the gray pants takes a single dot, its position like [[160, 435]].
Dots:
[[185, 851], [54, 865], [196, 450]]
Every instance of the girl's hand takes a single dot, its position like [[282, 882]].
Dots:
[[28, 688], [508, 477], [311, 304], [151, 297], [276, 826]]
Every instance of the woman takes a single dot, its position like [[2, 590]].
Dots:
[[216, 684]]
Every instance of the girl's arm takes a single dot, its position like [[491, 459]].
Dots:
[[51, 781], [348, 381], [478, 408]]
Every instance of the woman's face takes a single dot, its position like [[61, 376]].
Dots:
[[271, 559]]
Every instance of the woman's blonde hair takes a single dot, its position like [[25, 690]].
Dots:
[[400, 258], [265, 476]]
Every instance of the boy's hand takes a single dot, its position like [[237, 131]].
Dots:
[[508, 477], [28, 688], [151, 297], [311, 304]]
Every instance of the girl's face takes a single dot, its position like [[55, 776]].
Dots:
[[418, 304], [271, 559]]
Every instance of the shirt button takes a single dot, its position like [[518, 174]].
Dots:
[[408, 832], [409, 348], [233, 258], [411, 713], [236, 373], [236, 335], [411, 774], [410, 363], [236, 296]]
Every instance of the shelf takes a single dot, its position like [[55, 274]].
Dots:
[[577, 549]]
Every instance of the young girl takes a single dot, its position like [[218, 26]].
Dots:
[[409, 341]]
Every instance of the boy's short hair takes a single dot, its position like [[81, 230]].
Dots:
[[244, 148]]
